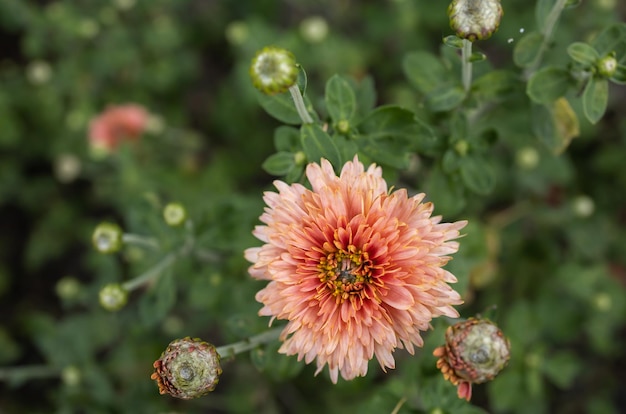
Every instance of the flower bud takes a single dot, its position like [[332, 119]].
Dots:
[[71, 376], [314, 29], [174, 214], [188, 368], [475, 351], [475, 19], [607, 65], [107, 238], [113, 297], [273, 70]]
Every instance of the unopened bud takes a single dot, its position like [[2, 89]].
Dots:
[[583, 206], [607, 65], [70, 375], [174, 214], [475, 351], [343, 126], [107, 238], [274, 70], [475, 19], [113, 297], [314, 29], [527, 158], [188, 368]]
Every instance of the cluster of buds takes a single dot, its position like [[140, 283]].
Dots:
[[475, 351], [475, 19], [188, 368]]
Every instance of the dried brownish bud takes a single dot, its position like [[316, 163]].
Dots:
[[188, 368], [475, 351], [475, 19]]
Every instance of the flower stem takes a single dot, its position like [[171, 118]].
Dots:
[[547, 30], [299, 102], [140, 240], [249, 343], [28, 372], [466, 53], [152, 273]]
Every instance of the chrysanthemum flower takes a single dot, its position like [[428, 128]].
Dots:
[[117, 124], [356, 270]]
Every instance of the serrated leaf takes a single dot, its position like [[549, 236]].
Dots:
[[583, 53], [477, 174], [527, 49], [548, 84], [279, 164], [340, 99], [159, 300], [317, 144], [595, 99], [424, 71], [445, 98]]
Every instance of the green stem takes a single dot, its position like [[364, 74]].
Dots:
[[466, 53], [136, 239], [299, 102], [152, 273], [28, 372], [229, 351], [547, 32]]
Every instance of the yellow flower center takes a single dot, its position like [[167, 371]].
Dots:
[[345, 272]]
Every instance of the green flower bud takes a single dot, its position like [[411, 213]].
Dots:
[[607, 65], [461, 147], [314, 29], [113, 297], [273, 70], [68, 288], [476, 350], [583, 206], [343, 126], [188, 368], [299, 158], [71, 376], [475, 19], [174, 214], [107, 238]]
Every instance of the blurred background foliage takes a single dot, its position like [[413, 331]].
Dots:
[[544, 255]]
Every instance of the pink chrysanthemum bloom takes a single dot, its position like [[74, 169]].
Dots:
[[117, 124], [356, 270]]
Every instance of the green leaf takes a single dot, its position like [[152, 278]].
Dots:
[[477, 174], [619, 76], [495, 84], [555, 124], [279, 164], [159, 300], [393, 122], [453, 42], [445, 98], [424, 71], [583, 53], [548, 84], [445, 192], [542, 10], [527, 49], [281, 105], [595, 99], [612, 39], [340, 99], [365, 93], [562, 368], [317, 144], [287, 139]]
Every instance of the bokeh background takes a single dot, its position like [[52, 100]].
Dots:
[[544, 255]]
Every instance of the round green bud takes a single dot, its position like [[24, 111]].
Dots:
[[39, 72], [174, 214], [71, 376], [68, 288], [314, 29], [107, 238], [461, 147], [299, 158], [583, 206], [188, 368], [237, 32], [475, 19], [527, 158], [607, 65], [273, 70], [113, 297], [343, 126]]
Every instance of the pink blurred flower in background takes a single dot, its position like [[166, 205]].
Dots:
[[355, 269], [117, 124]]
